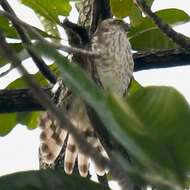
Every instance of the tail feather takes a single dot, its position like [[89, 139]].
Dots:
[[53, 137], [83, 164], [70, 155], [94, 141]]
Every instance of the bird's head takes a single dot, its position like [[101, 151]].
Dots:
[[113, 24]]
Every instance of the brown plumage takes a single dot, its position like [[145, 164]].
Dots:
[[113, 68], [115, 64]]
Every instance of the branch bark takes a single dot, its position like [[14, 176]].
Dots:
[[161, 59], [21, 100]]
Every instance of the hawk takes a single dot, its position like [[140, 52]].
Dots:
[[113, 68]]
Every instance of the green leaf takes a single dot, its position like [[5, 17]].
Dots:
[[20, 83], [7, 27], [47, 179], [135, 16], [30, 119], [166, 123], [148, 32], [7, 123], [10, 32], [9, 120], [121, 8], [50, 28], [137, 123], [149, 40], [17, 47], [49, 9], [124, 8], [134, 87]]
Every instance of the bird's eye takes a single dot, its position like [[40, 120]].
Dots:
[[117, 21], [126, 27]]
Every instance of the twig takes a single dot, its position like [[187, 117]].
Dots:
[[38, 36], [45, 70], [178, 38]]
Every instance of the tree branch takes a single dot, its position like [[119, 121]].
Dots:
[[178, 38], [161, 59], [19, 100], [22, 100]]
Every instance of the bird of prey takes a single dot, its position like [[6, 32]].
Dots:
[[114, 69]]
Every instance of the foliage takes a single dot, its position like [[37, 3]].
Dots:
[[39, 180], [145, 123], [139, 130]]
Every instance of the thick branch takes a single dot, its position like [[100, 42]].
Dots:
[[22, 100], [161, 59], [19, 100]]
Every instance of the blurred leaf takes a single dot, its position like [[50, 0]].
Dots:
[[143, 125], [30, 119], [49, 9], [135, 16], [170, 16], [134, 87], [50, 28], [9, 120], [124, 8], [47, 179], [149, 40], [20, 83], [7, 123], [148, 32], [17, 47], [7, 27], [167, 124], [121, 8]]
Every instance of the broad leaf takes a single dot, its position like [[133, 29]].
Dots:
[[121, 8], [168, 125], [50, 28], [9, 120], [149, 40], [47, 179], [10, 32], [49, 9], [148, 32], [133, 88], [30, 119], [125, 8], [7, 123]]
